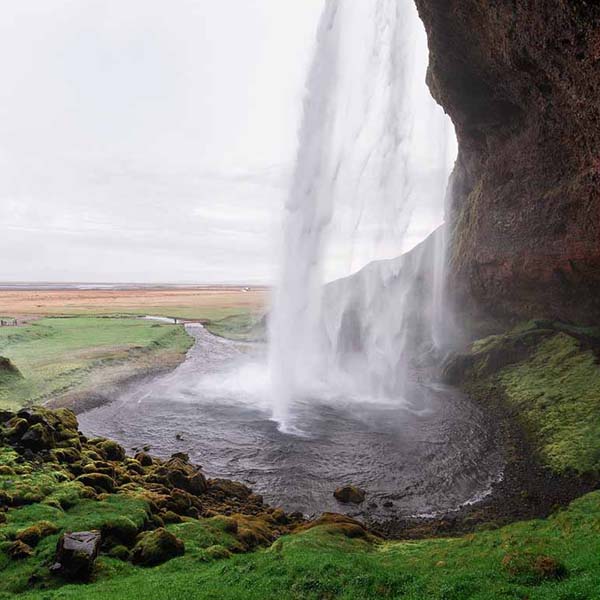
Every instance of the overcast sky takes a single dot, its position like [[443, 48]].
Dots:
[[147, 140]]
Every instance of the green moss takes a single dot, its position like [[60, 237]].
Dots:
[[557, 393], [156, 547], [549, 377]]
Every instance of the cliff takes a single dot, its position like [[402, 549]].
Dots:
[[521, 81]]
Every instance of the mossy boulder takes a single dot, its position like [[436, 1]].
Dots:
[[37, 437], [119, 552], [34, 533], [98, 481], [156, 547], [217, 552], [112, 451], [120, 529]]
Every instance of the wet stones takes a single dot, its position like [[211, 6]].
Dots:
[[349, 494], [76, 554], [144, 459]]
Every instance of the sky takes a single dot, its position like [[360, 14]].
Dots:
[[148, 140]]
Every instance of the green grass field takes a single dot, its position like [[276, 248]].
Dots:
[[55, 356], [553, 559]]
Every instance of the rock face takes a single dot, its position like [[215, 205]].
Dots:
[[521, 82]]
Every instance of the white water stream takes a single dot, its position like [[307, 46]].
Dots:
[[374, 156]]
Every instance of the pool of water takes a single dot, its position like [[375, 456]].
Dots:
[[430, 454]]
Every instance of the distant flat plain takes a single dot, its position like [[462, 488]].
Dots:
[[193, 302]]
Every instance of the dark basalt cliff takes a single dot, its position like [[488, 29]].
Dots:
[[521, 81]]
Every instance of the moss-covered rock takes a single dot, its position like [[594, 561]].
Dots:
[[98, 481], [144, 459], [156, 547], [19, 550], [112, 451]]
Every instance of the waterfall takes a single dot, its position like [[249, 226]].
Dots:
[[374, 153]]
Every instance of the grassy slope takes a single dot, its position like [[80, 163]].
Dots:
[[245, 326], [550, 379], [315, 564], [56, 355]]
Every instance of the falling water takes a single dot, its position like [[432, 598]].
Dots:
[[373, 160]]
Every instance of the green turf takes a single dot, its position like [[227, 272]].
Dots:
[[244, 326], [55, 355], [320, 563], [549, 377]]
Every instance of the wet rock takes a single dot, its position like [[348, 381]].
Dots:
[[156, 547], [76, 554], [197, 484], [229, 489], [519, 80], [144, 459], [349, 494]]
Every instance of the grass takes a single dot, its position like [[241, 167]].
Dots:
[[549, 377], [55, 356], [552, 559], [245, 326]]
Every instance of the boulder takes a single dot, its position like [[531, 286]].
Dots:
[[98, 481], [37, 437], [156, 547], [144, 459], [112, 451], [349, 494], [76, 554]]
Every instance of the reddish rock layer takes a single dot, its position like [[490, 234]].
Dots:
[[521, 81]]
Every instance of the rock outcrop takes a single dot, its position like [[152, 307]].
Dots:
[[521, 82]]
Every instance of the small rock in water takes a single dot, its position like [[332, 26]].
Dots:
[[388, 504], [76, 554], [146, 448], [178, 436], [349, 493]]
